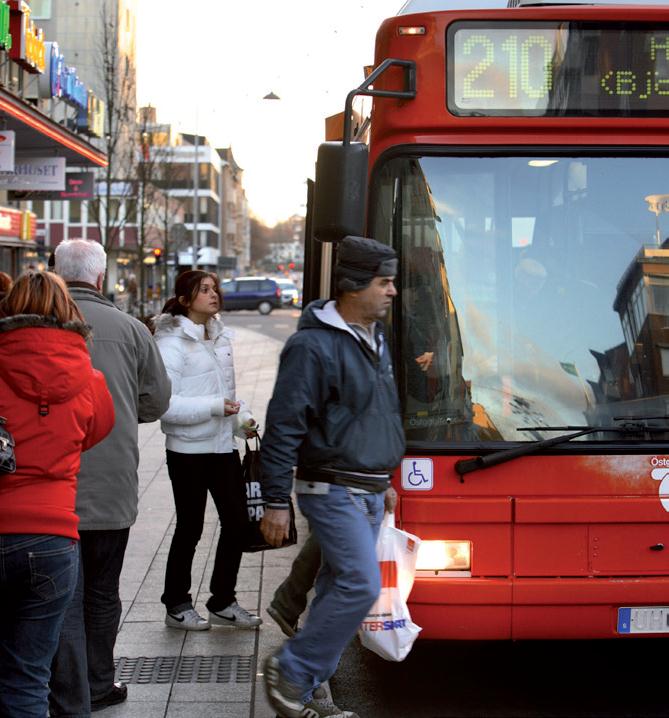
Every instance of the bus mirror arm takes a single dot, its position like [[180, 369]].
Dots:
[[408, 93]]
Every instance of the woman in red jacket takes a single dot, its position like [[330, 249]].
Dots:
[[56, 406]]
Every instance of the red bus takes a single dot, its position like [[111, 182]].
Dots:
[[518, 161]]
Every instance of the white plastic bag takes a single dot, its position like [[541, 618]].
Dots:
[[388, 629]]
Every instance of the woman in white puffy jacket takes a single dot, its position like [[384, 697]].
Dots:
[[200, 427]]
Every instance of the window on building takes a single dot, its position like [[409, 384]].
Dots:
[[41, 9], [75, 211], [57, 211], [659, 291], [113, 211], [37, 206], [131, 210], [664, 354]]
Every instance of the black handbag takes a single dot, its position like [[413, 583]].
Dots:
[[254, 540], [7, 458]]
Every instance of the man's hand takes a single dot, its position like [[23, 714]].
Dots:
[[424, 361], [275, 526], [390, 500]]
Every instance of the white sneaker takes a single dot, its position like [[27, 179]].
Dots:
[[188, 620], [236, 616]]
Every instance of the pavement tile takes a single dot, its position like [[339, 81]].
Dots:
[[220, 641], [208, 710], [210, 692], [152, 709]]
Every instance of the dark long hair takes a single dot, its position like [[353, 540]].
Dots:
[[187, 286]]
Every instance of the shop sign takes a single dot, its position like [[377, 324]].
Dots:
[[49, 83], [28, 225], [35, 174], [7, 150], [92, 119], [73, 90], [78, 185], [27, 41], [10, 222], [5, 35]]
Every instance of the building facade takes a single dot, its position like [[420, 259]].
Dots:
[[48, 117]]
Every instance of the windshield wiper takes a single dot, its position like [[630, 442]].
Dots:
[[466, 466]]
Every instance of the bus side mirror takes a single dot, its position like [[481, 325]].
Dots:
[[340, 191]]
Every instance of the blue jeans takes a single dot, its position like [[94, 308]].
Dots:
[[38, 574], [83, 667], [346, 526]]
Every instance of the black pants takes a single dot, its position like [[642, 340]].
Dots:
[[192, 476], [83, 667]]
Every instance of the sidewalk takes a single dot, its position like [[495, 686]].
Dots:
[[174, 673]]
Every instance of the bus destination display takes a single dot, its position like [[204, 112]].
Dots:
[[557, 69]]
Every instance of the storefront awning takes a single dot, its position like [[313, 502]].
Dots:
[[38, 132]]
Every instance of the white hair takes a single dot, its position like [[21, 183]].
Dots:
[[80, 260]]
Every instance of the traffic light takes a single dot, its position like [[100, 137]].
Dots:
[[158, 254]]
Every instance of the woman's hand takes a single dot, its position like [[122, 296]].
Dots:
[[231, 407], [250, 428]]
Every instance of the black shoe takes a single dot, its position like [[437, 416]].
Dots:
[[287, 627], [117, 694]]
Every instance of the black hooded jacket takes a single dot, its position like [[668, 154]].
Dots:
[[335, 405]]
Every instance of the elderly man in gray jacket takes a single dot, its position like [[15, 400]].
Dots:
[[107, 495]]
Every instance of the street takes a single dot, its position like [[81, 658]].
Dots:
[[280, 324], [569, 679]]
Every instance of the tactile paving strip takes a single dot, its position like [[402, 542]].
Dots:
[[184, 669]]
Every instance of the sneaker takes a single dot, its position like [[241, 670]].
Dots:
[[236, 616], [288, 629], [322, 706], [187, 620], [117, 694], [284, 697]]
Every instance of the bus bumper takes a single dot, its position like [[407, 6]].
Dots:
[[498, 609]]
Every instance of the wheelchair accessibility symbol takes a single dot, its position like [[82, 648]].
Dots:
[[417, 474]]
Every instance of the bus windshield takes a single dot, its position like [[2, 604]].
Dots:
[[534, 291]]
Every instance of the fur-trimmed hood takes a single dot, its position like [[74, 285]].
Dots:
[[20, 321], [43, 360], [168, 324]]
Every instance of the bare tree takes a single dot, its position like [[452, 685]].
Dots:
[[116, 183]]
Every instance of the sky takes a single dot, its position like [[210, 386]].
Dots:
[[206, 68]]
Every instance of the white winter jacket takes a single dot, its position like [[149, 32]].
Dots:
[[202, 374]]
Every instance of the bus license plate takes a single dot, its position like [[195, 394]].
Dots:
[[643, 619]]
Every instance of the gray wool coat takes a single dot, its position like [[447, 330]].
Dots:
[[123, 349]]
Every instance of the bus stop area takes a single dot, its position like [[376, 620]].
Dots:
[[217, 672]]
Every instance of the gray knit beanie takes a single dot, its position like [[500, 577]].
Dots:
[[359, 260]]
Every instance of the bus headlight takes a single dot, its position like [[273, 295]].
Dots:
[[444, 556]]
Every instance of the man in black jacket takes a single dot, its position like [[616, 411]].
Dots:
[[335, 415]]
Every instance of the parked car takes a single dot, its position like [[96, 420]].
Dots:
[[289, 292], [258, 293]]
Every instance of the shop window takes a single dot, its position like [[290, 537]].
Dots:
[[38, 208]]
